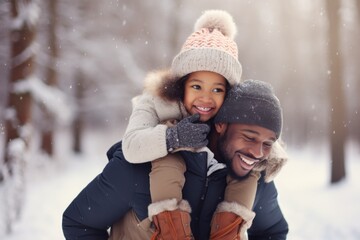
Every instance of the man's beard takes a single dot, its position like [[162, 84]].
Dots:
[[226, 158]]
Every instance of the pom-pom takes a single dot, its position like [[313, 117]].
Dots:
[[217, 19]]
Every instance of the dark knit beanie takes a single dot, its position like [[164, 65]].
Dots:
[[252, 102]]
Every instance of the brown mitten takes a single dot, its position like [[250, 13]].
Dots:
[[230, 222], [173, 223]]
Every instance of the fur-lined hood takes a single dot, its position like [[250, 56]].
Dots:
[[163, 84]]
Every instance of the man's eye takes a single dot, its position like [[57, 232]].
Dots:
[[249, 139], [268, 145]]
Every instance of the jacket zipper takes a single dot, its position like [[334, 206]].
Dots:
[[205, 189]]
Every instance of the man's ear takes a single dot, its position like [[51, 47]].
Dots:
[[220, 127]]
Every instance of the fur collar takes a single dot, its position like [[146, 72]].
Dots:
[[164, 85], [272, 166]]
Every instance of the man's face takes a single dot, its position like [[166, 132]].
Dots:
[[242, 146]]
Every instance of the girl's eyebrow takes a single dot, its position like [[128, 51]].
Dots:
[[195, 80], [221, 84], [201, 81]]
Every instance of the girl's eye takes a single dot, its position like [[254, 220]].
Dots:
[[196, 87], [218, 90]]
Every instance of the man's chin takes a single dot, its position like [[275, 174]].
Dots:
[[236, 175]]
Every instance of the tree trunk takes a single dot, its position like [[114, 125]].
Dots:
[[336, 94], [47, 140], [22, 67], [78, 124], [356, 126], [19, 102]]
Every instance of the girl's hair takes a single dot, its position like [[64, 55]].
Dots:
[[180, 85]]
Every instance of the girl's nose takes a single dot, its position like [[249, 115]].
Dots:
[[206, 97]]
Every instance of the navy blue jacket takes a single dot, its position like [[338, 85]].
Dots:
[[123, 186]]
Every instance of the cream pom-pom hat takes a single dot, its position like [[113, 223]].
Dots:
[[210, 48]]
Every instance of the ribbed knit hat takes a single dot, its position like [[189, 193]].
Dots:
[[252, 102], [210, 48]]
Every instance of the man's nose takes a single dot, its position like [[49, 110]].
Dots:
[[257, 151]]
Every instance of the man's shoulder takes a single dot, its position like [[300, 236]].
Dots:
[[265, 190], [115, 147]]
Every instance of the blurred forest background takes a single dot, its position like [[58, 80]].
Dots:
[[73, 66]]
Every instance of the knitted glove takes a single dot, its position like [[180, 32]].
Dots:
[[187, 134]]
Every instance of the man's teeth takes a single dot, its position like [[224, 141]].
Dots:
[[248, 162], [205, 109]]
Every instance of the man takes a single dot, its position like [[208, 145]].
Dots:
[[245, 129]]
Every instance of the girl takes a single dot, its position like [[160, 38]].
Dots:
[[175, 112]]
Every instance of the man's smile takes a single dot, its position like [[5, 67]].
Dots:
[[246, 162]]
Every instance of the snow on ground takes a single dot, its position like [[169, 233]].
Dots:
[[313, 208]]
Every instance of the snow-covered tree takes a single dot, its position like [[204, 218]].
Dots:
[[47, 129], [23, 48], [24, 16], [337, 131]]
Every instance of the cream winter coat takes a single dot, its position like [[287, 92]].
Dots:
[[144, 138]]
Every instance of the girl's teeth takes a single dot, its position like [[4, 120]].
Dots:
[[204, 108]]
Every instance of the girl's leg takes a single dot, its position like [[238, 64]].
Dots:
[[167, 178], [234, 215], [169, 213], [242, 191]]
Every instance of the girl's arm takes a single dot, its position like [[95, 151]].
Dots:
[[145, 138]]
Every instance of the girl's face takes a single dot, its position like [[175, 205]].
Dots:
[[204, 93]]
